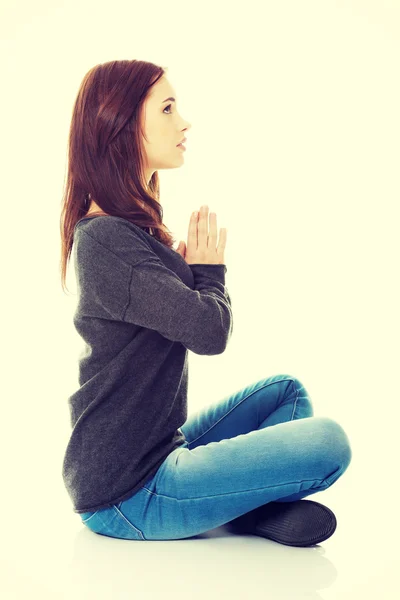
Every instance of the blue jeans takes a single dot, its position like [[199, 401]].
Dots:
[[258, 445]]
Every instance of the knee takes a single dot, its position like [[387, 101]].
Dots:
[[296, 381], [302, 395], [335, 441], [300, 388]]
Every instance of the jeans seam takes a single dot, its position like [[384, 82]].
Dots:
[[265, 487], [295, 400], [91, 516]]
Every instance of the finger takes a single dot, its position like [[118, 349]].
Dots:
[[213, 228], [202, 227], [192, 233], [222, 240]]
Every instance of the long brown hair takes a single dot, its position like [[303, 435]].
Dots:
[[106, 158]]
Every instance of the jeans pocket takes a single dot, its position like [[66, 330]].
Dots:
[[124, 526], [112, 523]]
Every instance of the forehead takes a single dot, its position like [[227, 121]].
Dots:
[[162, 90]]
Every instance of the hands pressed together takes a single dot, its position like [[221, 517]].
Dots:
[[202, 242]]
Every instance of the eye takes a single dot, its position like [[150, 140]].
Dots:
[[169, 106]]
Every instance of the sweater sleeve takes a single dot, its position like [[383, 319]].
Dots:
[[121, 278], [200, 319]]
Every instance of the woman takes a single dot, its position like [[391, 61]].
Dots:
[[136, 467]]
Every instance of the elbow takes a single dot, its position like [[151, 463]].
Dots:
[[213, 345], [215, 340], [221, 342]]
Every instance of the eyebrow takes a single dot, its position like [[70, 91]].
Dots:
[[168, 99]]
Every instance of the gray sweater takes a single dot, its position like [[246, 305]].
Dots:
[[140, 308]]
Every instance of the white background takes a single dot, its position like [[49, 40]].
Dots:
[[294, 144]]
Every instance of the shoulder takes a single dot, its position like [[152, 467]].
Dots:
[[109, 226], [117, 235]]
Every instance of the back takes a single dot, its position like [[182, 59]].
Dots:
[[140, 308]]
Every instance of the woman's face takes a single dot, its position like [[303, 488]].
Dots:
[[164, 129]]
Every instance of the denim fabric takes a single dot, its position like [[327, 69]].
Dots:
[[258, 445]]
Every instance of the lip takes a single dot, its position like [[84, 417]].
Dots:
[[182, 141]]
